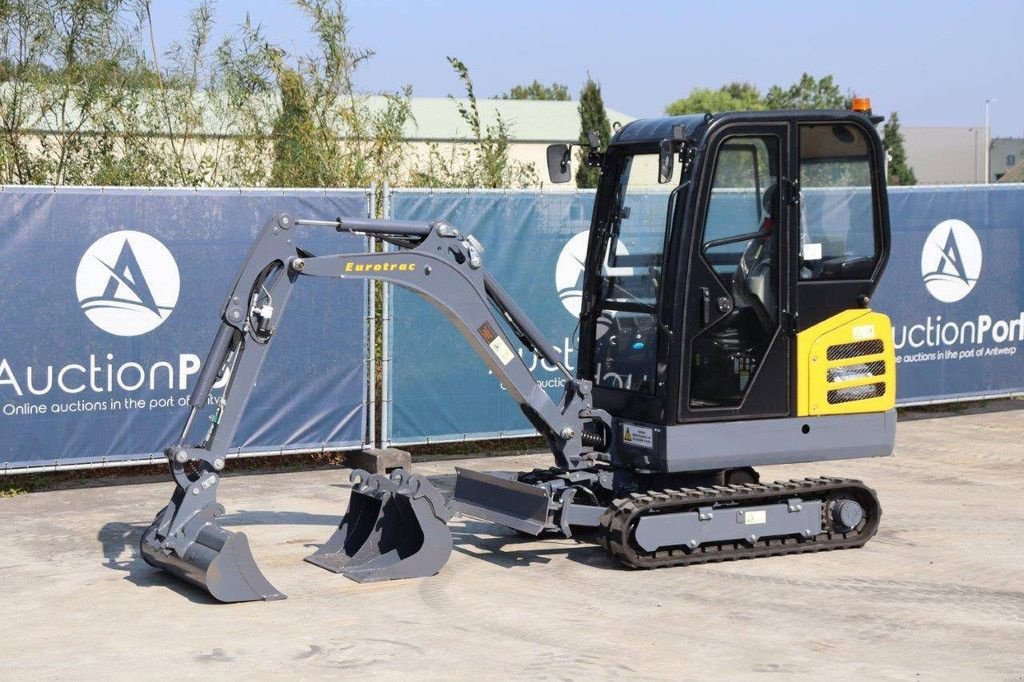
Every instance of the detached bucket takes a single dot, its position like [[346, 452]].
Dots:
[[395, 527], [218, 561]]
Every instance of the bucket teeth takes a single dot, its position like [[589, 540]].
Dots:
[[216, 560], [396, 527]]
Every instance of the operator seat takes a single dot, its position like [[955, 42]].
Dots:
[[756, 278]]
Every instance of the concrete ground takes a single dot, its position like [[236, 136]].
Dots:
[[938, 594]]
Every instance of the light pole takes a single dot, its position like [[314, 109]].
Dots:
[[988, 141]]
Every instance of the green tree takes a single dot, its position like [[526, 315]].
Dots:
[[65, 64], [296, 161], [593, 118], [900, 172], [538, 91], [807, 93], [86, 98], [735, 96]]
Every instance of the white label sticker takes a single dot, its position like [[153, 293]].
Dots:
[[639, 436], [502, 350], [864, 331], [811, 252], [753, 518]]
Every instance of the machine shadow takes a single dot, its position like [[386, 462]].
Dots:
[[506, 548], [119, 541]]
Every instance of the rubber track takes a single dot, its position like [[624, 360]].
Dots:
[[619, 520]]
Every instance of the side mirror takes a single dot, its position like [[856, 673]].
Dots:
[[559, 163], [666, 161]]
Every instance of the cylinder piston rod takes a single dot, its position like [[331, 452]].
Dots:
[[402, 228]]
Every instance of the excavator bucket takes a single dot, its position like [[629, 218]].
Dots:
[[396, 527], [218, 561]]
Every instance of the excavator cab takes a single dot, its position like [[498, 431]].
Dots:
[[724, 325], [722, 247]]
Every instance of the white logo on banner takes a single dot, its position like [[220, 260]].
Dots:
[[951, 261], [570, 268], [127, 283]]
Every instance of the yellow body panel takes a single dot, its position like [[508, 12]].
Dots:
[[846, 365]]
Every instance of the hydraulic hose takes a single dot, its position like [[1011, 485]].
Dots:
[[531, 335]]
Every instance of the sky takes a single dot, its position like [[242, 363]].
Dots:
[[935, 62]]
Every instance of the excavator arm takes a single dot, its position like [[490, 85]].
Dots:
[[435, 261]]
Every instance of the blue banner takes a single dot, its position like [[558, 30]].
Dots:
[[534, 245], [954, 288], [112, 298]]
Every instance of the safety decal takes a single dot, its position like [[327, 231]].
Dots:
[[639, 436], [497, 344]]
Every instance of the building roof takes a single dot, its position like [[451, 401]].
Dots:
[[1014, 174], [437, 119], [1017, 142], [433, 119]]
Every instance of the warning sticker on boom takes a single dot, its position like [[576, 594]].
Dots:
[[639, 436], [497, 344]]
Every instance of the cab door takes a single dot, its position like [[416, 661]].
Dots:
[[737, 331]]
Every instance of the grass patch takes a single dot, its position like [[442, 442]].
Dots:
[[12, 486]]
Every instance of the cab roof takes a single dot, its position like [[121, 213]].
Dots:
[[652, 130]]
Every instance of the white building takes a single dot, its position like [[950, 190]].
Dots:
[[532, 125], [956, 155]]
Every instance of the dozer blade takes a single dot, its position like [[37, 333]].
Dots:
[[501, 499], [217, 560], [395, 527]]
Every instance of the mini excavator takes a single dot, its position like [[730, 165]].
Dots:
[[724, 325]]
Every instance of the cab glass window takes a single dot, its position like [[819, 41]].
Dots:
[[742, 193], [740, 242], [837, 222], [626, 334]]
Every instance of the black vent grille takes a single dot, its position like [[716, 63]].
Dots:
[[855, 349], [850, 372], [852, 393]]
